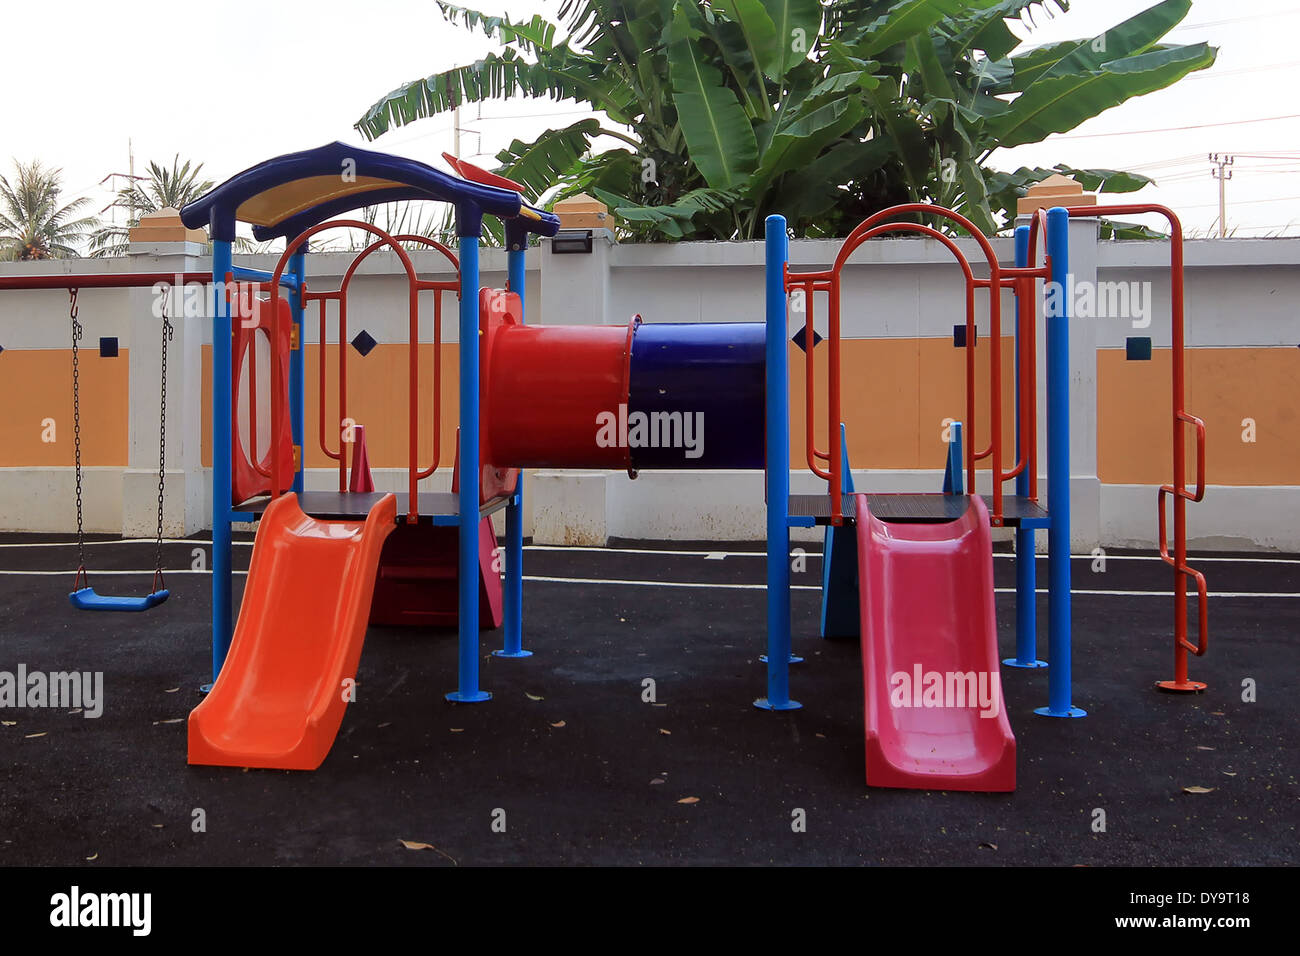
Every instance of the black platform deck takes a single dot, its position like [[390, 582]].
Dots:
[[343, 505], [922, 508]]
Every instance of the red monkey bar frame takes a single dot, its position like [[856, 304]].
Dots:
[[415, 285], [340, 295], [1000, 277], [1180, 419]]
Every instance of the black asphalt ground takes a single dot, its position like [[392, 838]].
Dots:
[[581, 770]]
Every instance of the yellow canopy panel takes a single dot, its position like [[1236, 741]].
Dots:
[[280, 202]]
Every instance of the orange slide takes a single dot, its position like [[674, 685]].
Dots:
[[279, 699]]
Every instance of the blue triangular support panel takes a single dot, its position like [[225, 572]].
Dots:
[[840, 567], [954, 471]]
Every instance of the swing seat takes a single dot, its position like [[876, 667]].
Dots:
[[86, 599]]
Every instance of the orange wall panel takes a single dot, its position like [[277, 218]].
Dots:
[[36, 384], [894, 395], [1224, 387]]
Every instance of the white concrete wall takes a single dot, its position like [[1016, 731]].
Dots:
[[1239, 292]]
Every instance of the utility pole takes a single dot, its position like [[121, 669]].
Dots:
[[130, 159], [1222, 172]]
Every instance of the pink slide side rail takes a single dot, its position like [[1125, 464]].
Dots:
[[935, 717]]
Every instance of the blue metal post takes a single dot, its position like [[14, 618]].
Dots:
[[778, 473], [297, 392], [1026, 571], [1058, 470], [513, 611], [468, 508], [222, 627]]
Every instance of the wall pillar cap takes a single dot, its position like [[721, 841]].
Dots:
[[165, 226], [583, 212], [1055, 190]]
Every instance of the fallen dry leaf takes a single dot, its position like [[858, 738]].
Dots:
[[822, 736], [9, 723], [558, 724], [387, 723], [668, 732], [533, 696], [1229, 773], [1198, 789], [689, 800], [988, 846], [171, 690], [457, 730], [656, 780], [41, 734], [1216, 713], [157, 826], [92, 858], [413, 845], [1203, 747]]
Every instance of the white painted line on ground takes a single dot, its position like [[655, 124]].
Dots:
[[693, 584], [120, 541], [817, 587], [707, 555], [710, 555], [99, 574]]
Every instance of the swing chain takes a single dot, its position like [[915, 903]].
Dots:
[[167, 332], [76, 429]]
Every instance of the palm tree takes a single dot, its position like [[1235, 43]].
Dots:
[[161, 189], [32, 223]]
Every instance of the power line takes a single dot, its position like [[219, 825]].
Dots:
[[1216, 74], [1176, 129], [1218, 23], [1243, 202]]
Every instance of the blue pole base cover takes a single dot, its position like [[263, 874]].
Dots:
[[764, 704], [518, 653], [472, 697], [794, 658], [1071, 712], [1017, 662]]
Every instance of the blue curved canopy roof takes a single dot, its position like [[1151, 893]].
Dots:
[[283, 196]]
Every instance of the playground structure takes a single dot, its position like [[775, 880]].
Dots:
[[532, 396]]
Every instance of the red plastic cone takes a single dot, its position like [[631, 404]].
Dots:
[[360, 480]]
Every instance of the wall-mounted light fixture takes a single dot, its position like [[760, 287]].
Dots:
[[571, 242]]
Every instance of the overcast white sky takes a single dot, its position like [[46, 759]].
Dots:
[[236, 82]]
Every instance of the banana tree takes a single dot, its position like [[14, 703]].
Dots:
[[728, 110]]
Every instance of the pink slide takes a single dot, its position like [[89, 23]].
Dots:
[[934, 710]]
